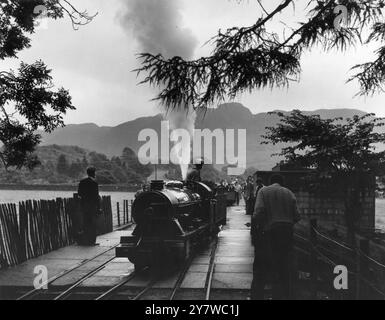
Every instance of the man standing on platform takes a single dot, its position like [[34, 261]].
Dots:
[[273, 221], [88, 192], [238, 191], [250, 196], [259, 187]]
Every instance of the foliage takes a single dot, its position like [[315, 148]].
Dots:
[[27, 96], [62, 165], [68, 164], [18, 21], [27, 99], [131, 162], [329, 145], [253, 57]]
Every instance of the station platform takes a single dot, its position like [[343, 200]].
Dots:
[[56, 262], [231, 276]]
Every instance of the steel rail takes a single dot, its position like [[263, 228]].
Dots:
[[31, 293], [145, 290], [379, 264], [109, 292], [181, 277], [66, 272], [331, 240], [210, 274], [68, 292]]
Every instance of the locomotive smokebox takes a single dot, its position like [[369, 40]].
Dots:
[[157, 185]]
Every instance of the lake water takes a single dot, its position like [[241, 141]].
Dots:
[[15, 196], [12, 196]]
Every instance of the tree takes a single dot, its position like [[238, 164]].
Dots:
[[18, 21], [29, 94], [345, 148], [116, 161], [62, 166], [84, 163], [253, 57], [99, 161], [131, 163], [75, 169], [329, 145], [105, 177]]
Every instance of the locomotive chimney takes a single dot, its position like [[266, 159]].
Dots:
[[157, 185]]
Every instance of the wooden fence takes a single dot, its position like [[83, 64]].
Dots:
[[126, 217], [37, 227]]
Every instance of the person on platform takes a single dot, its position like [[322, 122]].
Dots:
[[195, 173], [258, 187], [250, 196], [88, 192], [238, 191], [273, 220]]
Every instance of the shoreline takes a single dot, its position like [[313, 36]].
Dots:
[[102, 188]]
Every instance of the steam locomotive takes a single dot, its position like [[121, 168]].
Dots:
[[171, 220]]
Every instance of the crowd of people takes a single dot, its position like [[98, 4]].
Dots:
[[248, 190]]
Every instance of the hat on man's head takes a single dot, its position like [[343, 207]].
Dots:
[[198, 163]]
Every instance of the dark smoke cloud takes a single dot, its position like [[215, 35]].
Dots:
[[156, 25]]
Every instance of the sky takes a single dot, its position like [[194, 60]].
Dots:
[[95, 63]]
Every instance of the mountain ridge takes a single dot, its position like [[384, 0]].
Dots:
[[112, 140]]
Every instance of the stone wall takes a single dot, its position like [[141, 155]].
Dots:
[[324, 199]]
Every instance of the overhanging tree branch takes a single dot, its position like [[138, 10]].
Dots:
[[249, 58]]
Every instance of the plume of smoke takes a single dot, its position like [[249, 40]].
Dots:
[[182, 150], [156, 25]]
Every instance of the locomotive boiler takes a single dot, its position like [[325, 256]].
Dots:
[[171, 220]]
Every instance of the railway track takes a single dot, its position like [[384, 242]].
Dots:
[[210, 274], [118, 290], [172, 292], [182, 274], [38, 292]]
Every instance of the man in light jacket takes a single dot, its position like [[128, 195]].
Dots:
[[273, 221]]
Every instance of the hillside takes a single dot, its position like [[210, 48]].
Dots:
[[111, 140], [51, 153], [66, 165]]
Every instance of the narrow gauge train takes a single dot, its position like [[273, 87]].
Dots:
[[171, 220]]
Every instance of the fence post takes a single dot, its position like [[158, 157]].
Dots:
[[132, 202], [118, 213], [77, 218], [313, 258], [124, 212], [363, 266], [127, 219], [354, 291]]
